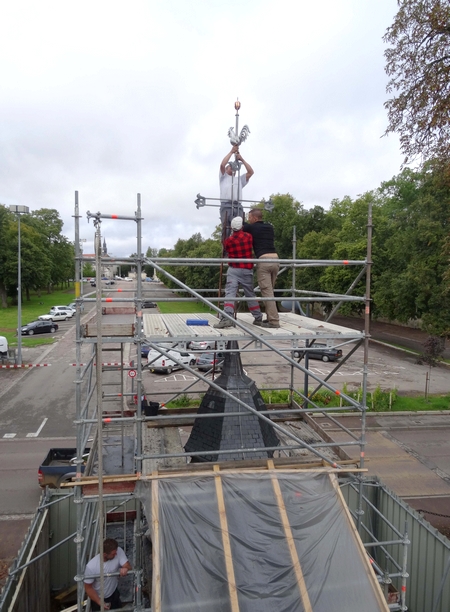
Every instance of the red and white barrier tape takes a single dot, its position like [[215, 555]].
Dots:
[[25, 365], [105, 364]]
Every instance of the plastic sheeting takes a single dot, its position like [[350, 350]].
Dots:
[[270, 557]]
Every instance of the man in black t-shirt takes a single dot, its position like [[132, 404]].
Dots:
[[266, 272]]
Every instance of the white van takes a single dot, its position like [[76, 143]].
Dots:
[[161, 363], [3, 346]]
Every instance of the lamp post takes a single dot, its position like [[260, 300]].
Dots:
[[19, 210], [81, 240]]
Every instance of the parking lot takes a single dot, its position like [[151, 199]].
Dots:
[[387, 367]]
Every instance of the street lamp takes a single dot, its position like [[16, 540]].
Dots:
[[19, 210], [81, 267]]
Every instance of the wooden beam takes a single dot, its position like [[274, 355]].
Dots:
[[226, 542], [290, 540], [286, 470]]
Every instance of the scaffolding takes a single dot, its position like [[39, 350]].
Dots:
[[114, 420], [160, 332]]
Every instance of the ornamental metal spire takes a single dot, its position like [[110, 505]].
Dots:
[[236, 138]]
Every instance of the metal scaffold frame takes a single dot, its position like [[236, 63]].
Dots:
[[92, 494], [301, 403]]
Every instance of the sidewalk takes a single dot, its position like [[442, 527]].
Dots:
[[389, 333]]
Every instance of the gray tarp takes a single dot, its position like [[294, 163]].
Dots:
[[193, 573]]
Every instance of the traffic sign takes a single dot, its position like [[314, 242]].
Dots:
[[132, 373]]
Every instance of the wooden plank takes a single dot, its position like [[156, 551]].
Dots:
[[298, 463], [119, 329], [290, 540], [156, 580], [362, 551], [226, 542], [292, 470], [66, 592]]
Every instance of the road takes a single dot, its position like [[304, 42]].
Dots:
[[41, 401]]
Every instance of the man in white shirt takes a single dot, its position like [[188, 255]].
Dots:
[[231, 189], [114, 560]]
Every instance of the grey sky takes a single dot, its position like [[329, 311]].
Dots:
[[112, 98]]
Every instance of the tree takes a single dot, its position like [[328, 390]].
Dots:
[[411, 281], [418, 64], [48, 224], [286, 214], [6, 220], [35, 261]]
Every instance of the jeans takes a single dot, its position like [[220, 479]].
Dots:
[[244, 278], [113, 599]]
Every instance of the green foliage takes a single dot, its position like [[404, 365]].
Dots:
[[38, 304], [378, 401], [433, 348], [418, 66], [88, 270], [412, 283], [47, 257], [199, 276]]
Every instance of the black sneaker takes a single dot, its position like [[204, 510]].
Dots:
[[258, 322], [271, 325]]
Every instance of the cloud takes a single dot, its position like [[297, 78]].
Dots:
[[113, 100]]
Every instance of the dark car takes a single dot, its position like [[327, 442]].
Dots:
[[93, 283], [39, 327], [206, 361], [148, 304], [322, 352]]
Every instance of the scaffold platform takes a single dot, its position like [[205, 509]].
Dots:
[[294, 328]]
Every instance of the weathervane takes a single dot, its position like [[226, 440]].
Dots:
[[236, 138]]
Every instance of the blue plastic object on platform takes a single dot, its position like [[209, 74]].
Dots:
[[197, 322]]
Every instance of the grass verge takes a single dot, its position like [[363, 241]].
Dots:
[[178, 307], [377, 401], [37, 305]]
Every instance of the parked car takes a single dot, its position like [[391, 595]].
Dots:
[[93, 283], [161, 363], [201, 345], [39, 327], [110, 282], [60, 308], [206, 361], [60, 315], [165, 345], [148, 304], [3, 346], [322, 352], [73, 306]]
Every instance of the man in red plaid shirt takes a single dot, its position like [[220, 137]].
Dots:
[[239, 246]]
